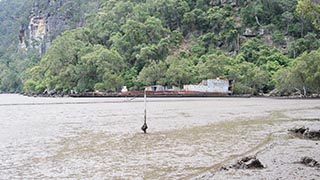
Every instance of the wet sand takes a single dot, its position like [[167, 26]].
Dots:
[[280, 154], [188, 138]]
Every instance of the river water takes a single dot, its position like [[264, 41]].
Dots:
[[100, 138]]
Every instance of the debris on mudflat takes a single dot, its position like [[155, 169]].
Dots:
[[309, 162], [223, 168], [306, 133], [300, 130], [312, 134], [250, 162]]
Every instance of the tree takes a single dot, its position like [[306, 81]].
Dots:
[[112, 82], [167, 42], [130, 78], [309, 9], [100, 66], [284, 82], [305, 44], [306, 72], [287, 17], [302, 76], [180, 71], [153, 74], [10, 81], [249, 78], [251, 50], [212, 66]]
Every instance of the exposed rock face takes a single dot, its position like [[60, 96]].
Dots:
[[42, 25], [37, 33], [249, 32], [233, 3], [22, 42], [48, 19]]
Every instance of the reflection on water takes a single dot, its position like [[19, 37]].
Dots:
[[64, 138]]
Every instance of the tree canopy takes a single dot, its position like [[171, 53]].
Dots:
[[262, 45]]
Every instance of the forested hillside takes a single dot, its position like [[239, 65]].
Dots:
[[27, 28], [264, 45]]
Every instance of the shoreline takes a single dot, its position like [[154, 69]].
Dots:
[[203, 95]]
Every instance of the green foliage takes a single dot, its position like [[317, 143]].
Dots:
[[212, 66], [153, 73], [302, 76], [130, 79], [166, 42], [309, 9], [252, 50], [180, 71], [250, 78], [72, 64], [10, 82], [308, 43], [112, 82], [15, 17]]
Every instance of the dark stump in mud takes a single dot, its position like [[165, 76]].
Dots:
[[309, 162], [306, 133], [300, 130], [144, 128], [250, 162], [312, 134]]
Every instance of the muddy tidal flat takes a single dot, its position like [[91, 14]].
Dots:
[[188, 138]]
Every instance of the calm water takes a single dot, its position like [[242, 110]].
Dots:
[[100, 138]]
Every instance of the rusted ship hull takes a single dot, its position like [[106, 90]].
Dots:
[[154, 94]]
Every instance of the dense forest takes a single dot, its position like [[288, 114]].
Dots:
[[266, 46]]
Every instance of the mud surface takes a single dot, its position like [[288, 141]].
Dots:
[[65, 138]]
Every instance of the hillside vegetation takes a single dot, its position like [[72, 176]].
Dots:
[[264, 45]]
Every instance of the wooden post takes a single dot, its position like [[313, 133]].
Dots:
[[145, 108], [144, 126]]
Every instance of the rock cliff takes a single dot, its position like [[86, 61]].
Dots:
[[48, 19]]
